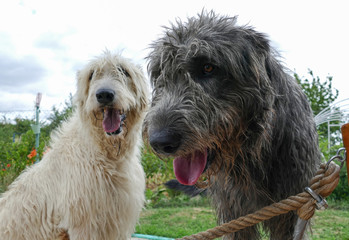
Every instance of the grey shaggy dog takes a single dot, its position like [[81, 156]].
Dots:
[[224, 107]]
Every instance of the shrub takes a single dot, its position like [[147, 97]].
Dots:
[[15, 157], [341, 192], [157, 171]]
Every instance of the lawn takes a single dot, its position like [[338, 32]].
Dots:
[[331, 224], [176, 222]]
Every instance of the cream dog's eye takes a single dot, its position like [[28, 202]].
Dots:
[[91, 75], [124, 71]]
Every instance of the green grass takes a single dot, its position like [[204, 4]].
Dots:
[[167, 222], [176, 222], [331, 224]]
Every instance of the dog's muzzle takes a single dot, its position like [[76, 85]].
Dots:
[[112, 118], [187, 168]]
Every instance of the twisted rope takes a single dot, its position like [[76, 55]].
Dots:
[[323, 183]]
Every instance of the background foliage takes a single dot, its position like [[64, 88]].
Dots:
[[15, 156], [17, 142], [14, 151], [320, 95]]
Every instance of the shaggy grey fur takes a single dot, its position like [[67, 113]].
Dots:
[[219, 87]]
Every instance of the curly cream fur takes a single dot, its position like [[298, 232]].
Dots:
[[89, 185]]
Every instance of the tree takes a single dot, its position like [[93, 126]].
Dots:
[[320, 94], [8, 129], [57, 117], [22, 125]]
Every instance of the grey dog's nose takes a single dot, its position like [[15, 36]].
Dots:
[[164, 141], [105, 96]]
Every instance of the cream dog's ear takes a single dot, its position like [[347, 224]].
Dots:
[[84, 78], [142, 89]]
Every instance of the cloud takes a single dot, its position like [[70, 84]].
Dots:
[[16, 102], [50, 40], [55, 40], [20, 75], [5, 42], [43, 51]]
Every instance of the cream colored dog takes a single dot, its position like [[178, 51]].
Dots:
[[90, 185]]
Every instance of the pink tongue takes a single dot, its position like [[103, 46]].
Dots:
[[111, 121], [189, 168]]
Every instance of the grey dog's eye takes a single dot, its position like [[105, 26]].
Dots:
[[208, 68]]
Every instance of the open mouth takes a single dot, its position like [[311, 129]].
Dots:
[[113, 120], [189, 168]]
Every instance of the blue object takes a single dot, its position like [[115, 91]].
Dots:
[[150, 237]]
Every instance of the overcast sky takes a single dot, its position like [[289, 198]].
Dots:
[[44, 42]]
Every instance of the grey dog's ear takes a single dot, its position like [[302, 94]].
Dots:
[[259, 40]]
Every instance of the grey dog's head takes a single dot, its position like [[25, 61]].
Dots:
[[211, 92]]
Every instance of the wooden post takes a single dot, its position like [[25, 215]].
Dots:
[[345, 135]]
